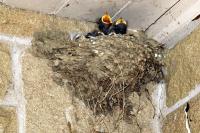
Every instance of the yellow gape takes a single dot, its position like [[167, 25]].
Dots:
[[106, 19], [120, 21]]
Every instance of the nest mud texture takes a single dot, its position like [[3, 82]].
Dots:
[[102, 71]]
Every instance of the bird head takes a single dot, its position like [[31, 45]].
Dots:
[[120, 21], [106, 18]]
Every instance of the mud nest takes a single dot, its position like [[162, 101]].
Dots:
[[102, 71]]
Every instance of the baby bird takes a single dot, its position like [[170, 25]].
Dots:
[[105, 23], [120, 26]]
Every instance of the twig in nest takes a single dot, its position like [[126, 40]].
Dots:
[[107, 92], [118, 91]]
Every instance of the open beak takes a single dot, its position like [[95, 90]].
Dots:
[[106, 19]]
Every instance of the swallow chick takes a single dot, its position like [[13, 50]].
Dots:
[[120, 26], [105, 23]]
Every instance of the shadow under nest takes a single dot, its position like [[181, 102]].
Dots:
[[102, 71]]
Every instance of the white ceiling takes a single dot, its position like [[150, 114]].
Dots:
[[140, 13]]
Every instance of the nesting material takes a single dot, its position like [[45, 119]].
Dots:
[[102, 71]]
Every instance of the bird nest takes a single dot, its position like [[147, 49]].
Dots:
[[102, 71]]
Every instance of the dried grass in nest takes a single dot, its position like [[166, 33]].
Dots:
[[104, 71]]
